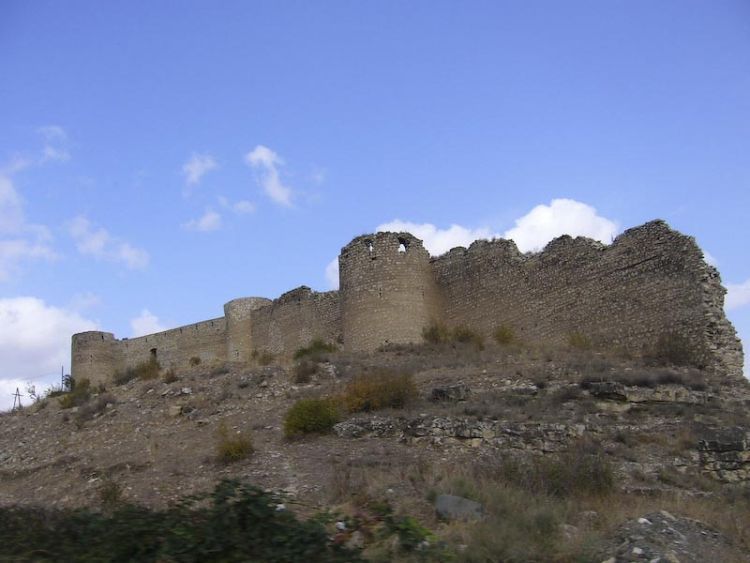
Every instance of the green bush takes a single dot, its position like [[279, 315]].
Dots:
[[231, 448], [379, 391], [79, 394], [465, 335], [504, 335], [304, 370], [311, 416], [317, 350], [435, 333], [237, 522]]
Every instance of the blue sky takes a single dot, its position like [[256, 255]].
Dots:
[[158, 159]]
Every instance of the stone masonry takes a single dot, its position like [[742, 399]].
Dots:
[[651, 287]]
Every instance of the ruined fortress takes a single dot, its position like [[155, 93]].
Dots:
[[650, 285]]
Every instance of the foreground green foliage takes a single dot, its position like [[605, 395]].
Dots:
[[237, 522]]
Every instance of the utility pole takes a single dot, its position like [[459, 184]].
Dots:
[[16, 399]]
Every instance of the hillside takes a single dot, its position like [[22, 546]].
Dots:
[[565, 448]]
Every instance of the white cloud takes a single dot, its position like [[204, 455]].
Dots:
[[196, 167], [209, 221], [738, 295], [266, 162], [146, 323], [97, 242], [243, 207], [332, 274], [437, 241], [34, 342], [55, 144], [20, 241], [561, 217]]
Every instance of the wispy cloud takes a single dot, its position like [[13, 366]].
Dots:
[[209, 221], [266, 163], [197, 166], [19, 240], [97, 242], [146, 323], [241, 207], [738, 295], [55, 144]]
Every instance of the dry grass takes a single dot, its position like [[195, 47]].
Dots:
[[231, 448], [378, 391]]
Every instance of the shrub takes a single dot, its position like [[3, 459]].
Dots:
[[195, 361], [110, 494], [311, 416], [231, 448], [170, 376], [91, 408], [150, 369], [435, 333], [379, 391], [583, 469], [79, 393], [465, 335], [316, 350], [504, 335], [673, 349], [304, 370], [578, 341], [263, 357]]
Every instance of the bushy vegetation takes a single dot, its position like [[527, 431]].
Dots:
[[317, 350], [263, 357], [583, 470], [150, 369], [304, 370], [194, 361], [378, 391], [232, 447], [169, 376], [504, 335], [237, 522], [311, 416], [672, 349], [438, 333], [93, 406], [80, 393]]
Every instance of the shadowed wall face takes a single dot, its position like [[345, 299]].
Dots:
[[95, 356], [388, 293]]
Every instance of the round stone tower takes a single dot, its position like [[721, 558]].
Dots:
[[388, 294], [238, 315], [94, 356]]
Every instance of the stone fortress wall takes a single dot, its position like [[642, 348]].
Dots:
[[651, 283]]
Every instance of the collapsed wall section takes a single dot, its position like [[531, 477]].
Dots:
[[294, 319], [175, 347], [649, 286], [388, 292]]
